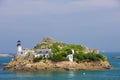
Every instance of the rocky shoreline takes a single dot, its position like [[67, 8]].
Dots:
[[47, 65]]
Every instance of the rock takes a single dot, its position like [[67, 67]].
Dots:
[[20, 64], [58, 66], [89, 50], [48, 40]]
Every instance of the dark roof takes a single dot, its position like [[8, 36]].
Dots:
[[18, 43]]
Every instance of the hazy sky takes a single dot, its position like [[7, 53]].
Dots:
[[94, 23]]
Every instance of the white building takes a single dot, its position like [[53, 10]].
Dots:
[[26, 52], [23, 52], [70, 57]]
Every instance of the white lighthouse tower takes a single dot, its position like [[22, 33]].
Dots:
[[19, 48]]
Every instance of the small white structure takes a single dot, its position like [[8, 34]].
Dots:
[[70, 56], [19, 48], [27, 52], [43, 52]]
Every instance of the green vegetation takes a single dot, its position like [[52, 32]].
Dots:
[[61, 50], [89, 57], [57, 57]]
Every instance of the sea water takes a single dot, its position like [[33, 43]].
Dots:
[[113, 74]]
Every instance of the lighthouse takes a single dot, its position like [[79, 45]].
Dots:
[[19, 48]]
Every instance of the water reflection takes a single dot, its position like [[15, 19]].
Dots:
[[70, 74], [33, 74]]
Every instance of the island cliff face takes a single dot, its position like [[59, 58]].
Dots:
[[49, 55], [20, 64]]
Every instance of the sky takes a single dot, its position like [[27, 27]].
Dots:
[[93, 23]]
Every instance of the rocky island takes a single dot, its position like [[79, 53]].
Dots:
[[51, 55]]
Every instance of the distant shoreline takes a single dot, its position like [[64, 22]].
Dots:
[[116, 57], [5, 55], [4, 64]]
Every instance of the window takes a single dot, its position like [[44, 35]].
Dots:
[[40, 51], [21, 52], [46, 51]]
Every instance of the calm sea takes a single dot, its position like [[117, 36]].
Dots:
[[113, 74]]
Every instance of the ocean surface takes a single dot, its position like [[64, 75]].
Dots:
[[113, 74]]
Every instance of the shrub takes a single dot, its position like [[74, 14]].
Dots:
[[89, 57], [57, 57], [101, 57]]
